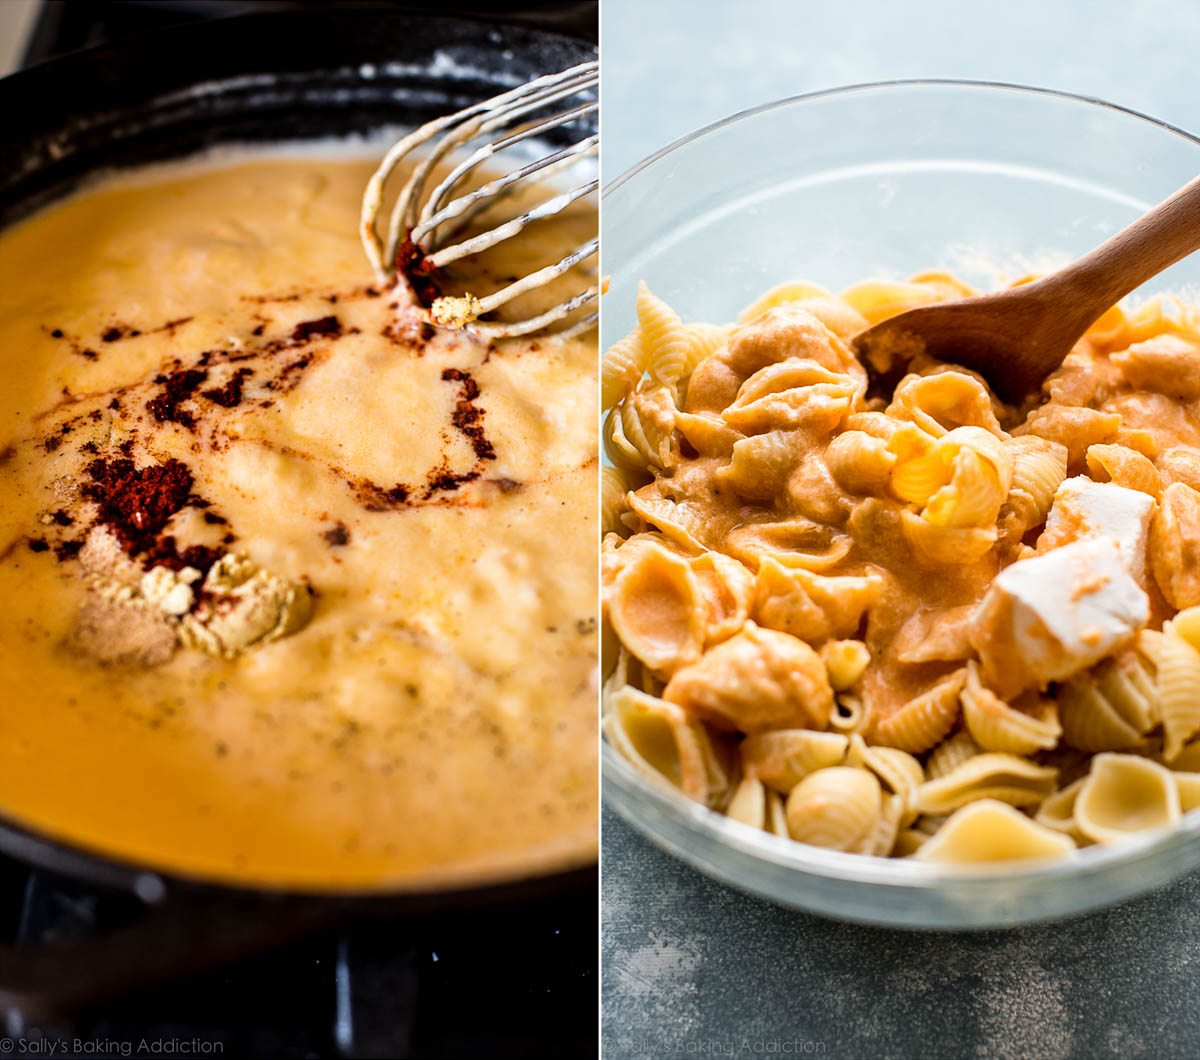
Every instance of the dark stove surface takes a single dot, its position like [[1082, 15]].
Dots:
[[518, 981], [68, 25], [511, 982]]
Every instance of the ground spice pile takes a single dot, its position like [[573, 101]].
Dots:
[[136, 502]]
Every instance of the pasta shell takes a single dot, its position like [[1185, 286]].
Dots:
[[925, 720], [701, 341], [879, 841], [944, 544], [756, 681], [638, 431], [682, 522], [1123, 466], [621, 367], [656, 609], [1058, 812], [995, 726], [661, 741], [783, 758], [898, 771], [1188, 786], [1003, 777], [663, 338], [940, 402], [1178, 692], [1173, 551], [728, 590], [811, 606], [918, 479], [988, 831], [834, 808], [1124, 796], [878, 300], [850, 714], [1039, 468], [1187, 625], [797, 543], [1109, 707], [707, 433], [1188, 760], [859, 462], [749, 803], [777, 815], [980, 477], [782, 294], [761, 465], [845, 662], [614, 488], [951, 753], [790, 394]]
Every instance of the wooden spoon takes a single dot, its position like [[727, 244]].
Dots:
[[1016, 338]]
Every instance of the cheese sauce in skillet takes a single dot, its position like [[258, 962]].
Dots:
[[294, 590]]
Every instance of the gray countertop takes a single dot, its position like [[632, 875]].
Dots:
[[692, 968]]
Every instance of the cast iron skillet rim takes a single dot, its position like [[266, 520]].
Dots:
[[154, 886]]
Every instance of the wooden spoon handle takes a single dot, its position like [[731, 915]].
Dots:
[[1156, 240]]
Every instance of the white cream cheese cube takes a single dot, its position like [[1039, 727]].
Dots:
[[1085, 509], [1047, 618]]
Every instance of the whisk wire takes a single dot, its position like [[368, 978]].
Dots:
[[432, 221]]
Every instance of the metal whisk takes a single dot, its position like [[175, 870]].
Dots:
[[422, 228]]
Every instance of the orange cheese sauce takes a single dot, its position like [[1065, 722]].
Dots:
[[434, 723]]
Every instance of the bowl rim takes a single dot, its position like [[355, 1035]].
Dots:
[[867, 86], [838, 866]]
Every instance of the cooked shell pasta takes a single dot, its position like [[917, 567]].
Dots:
[[881, 840], [701, 341], [922, 722], [614, 488], [654, 607], [1058, 812], [621, 367], [860, 462], [749, 803], [989, 830], [1007, 778], [782, 294], [850, 714], [1110, 707], [951, 753], [760, 465], [1125, 795], [898, 771], [835, 808], [995, 726], [728, 589], [664, 339], [1123, 466], [758, 680], [783, 758], [1178, 690], [661, 740], [813, 588], [845, 662], [1039, 468]]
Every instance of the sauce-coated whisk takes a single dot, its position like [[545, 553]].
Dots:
[[422, 227]]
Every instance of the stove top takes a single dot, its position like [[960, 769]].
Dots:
[[508, 982], [515, 981]]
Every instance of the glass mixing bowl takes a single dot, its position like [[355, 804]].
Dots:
[[989, 181]]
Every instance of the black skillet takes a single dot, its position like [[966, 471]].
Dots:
[[282, 75]]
